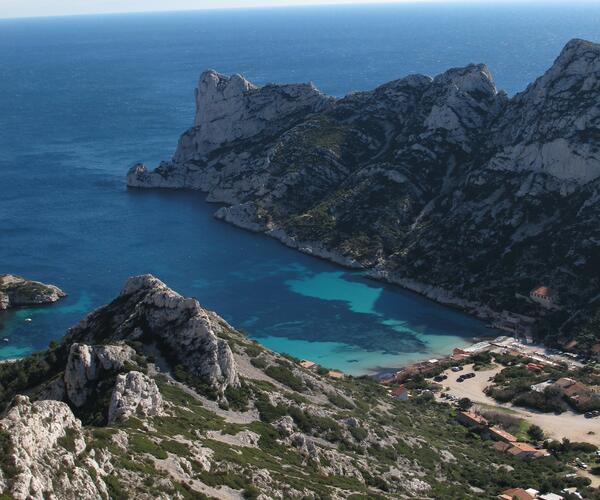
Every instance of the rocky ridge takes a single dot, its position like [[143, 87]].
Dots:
[[16, 291], [440, 184], [148, 310], [133, 421]]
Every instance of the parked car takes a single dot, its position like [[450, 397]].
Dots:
[[457, 368], [469, 375], [460, 379], [596, 413], [588, 414], [440, 378]]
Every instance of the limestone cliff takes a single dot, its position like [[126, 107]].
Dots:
[[42, 446], [438, 183]]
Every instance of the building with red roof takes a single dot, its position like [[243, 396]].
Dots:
[[544, 295]]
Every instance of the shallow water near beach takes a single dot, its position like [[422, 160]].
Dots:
[[81, 99]]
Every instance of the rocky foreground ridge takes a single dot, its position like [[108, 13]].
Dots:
[[16, 291], [444, 185], [154, 397]]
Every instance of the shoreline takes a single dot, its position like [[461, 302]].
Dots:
[[433, 293], [315, 249]]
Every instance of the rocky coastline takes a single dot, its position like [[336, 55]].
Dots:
[[16, 291], [315, 249], [444, 186]]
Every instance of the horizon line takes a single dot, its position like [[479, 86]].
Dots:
[[343, 3]]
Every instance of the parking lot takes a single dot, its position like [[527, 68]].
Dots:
[[570, 425]]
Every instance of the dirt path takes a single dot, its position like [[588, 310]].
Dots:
[[566, 425]]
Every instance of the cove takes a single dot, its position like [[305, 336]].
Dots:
[[286, 300], [119, 89]]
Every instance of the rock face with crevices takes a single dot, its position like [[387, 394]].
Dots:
[[43, 447], [444, 185], [147, 309], [134, 394], [87, 364], [16, 291]]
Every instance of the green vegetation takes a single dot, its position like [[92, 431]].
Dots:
[[340, 401], [68, 440], [141, 444], [31, 371], [535, 432], [514, 383], [285, 376], [238, 398]]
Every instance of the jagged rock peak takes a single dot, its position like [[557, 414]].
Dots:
[[474, 78], [85, 365], [149, 310], [577, 68], [229, 108], [550, 127], [577, 49]]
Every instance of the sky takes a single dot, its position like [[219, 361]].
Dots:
[[30, 8]]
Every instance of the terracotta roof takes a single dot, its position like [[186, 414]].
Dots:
[[572, 387], [305, 363], [506, 436], [544, 291], [524, 447], [501, 446], [335, 374], [399, 391], [519, 493], [478, 419], [458, 350]]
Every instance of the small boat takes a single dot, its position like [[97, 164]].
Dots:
[[29, 320], [5, 339]]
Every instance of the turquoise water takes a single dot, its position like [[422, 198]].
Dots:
[[81, 99]]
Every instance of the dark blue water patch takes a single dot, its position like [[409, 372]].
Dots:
[[82, 99]]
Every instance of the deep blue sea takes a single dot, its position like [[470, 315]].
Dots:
[[82, 98]]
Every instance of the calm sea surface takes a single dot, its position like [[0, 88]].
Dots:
[[83, 98]]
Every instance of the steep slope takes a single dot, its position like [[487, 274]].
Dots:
[[160, 421], [443, 185]]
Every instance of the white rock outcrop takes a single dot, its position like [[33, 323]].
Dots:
[[550, 126], [86, 363], [135, 394], [229, 108], [44, 441], [147, 308]]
